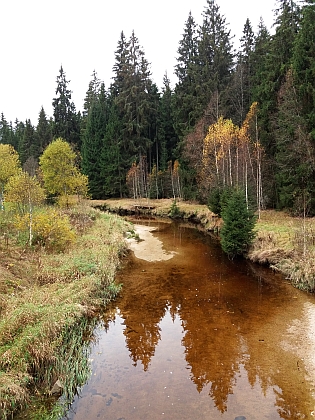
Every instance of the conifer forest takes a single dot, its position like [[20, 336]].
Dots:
[[240, 117]]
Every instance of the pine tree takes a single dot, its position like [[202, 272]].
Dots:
[[272, 60]]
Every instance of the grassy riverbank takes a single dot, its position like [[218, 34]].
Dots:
[[47, 301], [285, 243]]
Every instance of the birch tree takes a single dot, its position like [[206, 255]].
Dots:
[[25, 192], [60, 172]]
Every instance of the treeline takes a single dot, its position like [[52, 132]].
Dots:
[[234, 118]]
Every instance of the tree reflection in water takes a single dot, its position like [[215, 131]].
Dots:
[[230, 313]]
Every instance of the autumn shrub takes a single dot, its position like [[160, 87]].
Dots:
[[67, 201], [51, 229]]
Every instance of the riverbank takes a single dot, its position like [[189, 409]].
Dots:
[[48, 301], [283, 242], [48, 305]]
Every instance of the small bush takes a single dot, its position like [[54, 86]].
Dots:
[[174, 210], [237, 232], [51, 230]]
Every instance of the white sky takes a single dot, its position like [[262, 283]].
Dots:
[[37, 36]]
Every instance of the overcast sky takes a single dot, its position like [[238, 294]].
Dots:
[[38, 36]]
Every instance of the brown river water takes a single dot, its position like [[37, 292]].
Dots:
[[197, 336]]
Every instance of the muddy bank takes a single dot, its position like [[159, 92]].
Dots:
[[192, 212]]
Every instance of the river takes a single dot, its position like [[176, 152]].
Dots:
[[194, 335]]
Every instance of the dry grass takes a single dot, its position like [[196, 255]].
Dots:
[[188, 210], [46, 300]]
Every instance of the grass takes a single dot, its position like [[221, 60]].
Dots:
[[48, 302]]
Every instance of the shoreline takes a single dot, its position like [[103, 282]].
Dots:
[[279, 243]]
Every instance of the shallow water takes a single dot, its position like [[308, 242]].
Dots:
[[197, 336]]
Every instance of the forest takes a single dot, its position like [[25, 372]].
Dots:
[[235, 118]]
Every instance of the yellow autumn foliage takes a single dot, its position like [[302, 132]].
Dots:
[[51, 229], [24, 191], [59, 170]]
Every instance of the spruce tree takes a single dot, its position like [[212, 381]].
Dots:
[[241, 85], [92, 93], [294, 157], [304, 65], [132, 91], [113, 167], [186, 108], [66, 120], [28, 145], [92, 143], [6, 132], [272, 61], [43, 132], [167, 134], [215, 58], [237, 232]]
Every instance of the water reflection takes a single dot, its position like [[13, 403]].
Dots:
[[211, 337]]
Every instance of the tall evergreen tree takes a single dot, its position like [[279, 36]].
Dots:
[[294, 157], [187, 108], [131, 92], [43, 132], [6, 132], [241, 87], [154, 151], [113, 167], [92, 143], [27, 145], [215, 59], [18, 133], [304, 65], [66, 120], [271, 68], [92, 93], [168, 139]]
